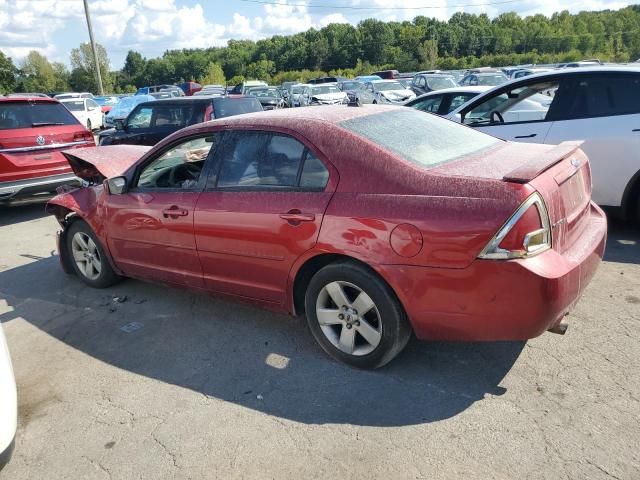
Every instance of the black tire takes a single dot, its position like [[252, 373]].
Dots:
[[89, 125], [392, 321], [103, 278]]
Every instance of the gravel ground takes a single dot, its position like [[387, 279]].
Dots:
[[202, 388]]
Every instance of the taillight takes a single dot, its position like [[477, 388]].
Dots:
[[83, 136], [526, 233]]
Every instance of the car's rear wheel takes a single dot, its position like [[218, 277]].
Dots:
[[87, 256], [355, 316]]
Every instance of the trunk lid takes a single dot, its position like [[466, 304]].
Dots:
[[98, 163], [561, 174]]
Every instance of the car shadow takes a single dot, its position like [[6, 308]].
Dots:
[[623, 242], [19, 213], [237, 353]]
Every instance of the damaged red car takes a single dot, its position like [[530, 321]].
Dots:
[[375, 223]]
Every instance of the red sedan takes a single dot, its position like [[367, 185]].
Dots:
[[33, 132], [374, 222]]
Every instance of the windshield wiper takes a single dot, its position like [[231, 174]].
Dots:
[[43, 124]]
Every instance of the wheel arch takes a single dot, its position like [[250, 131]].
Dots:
[[309, 266], [631, 197]]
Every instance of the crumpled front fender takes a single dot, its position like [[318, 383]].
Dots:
[[81, 203]]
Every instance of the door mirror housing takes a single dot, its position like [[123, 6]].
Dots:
[[119, 123], [116, 185]]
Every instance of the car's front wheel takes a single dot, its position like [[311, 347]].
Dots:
[[355, 316], [87, 256]]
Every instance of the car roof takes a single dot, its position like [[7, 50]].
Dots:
[[388, 80], [28, 99]]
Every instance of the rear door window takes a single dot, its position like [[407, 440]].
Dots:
[[173, 116], [36, 114], [264, 161], [603, 96]]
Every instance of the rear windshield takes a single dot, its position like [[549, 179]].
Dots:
[[423, 139], [75, 106], [27, 115], [228, 107]]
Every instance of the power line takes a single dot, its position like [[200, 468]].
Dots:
[[353, 7]]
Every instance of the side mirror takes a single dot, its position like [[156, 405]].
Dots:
[[116, 185], [457, 118], [119, 124]]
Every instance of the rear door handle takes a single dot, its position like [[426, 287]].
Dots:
[[174, 212], [526, 136], [295, 216]]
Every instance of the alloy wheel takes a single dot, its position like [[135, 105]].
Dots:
[[349, 318], [86, 255]]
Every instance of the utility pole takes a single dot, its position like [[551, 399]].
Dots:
[[93, 48]]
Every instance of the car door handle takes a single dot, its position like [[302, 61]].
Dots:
[[174, 212], [295, 216], [526, 136]]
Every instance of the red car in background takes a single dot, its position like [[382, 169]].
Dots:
[[33, 132], [374, 222]]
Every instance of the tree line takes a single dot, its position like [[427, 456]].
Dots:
[[464, 41]]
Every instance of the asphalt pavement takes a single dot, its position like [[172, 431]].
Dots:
[[142, 381]]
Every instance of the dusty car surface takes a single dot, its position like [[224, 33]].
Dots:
[[451, 234], [33, 132]]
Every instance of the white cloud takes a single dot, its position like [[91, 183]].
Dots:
[[333, 18]]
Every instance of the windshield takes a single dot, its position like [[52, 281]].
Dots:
[[491, 80], [227, 107], [27, 115], [438, 83], [383, 86], [425, 140], [75, 106], [327, 89], [296, 90], [264, 92], [350, 86], [105, 100]]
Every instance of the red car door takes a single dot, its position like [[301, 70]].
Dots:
[[150, 227], [262, 209]]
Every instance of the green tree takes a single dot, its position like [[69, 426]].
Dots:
[[37, 74], [83, 69], [214, 75], [428, 53], [7, 74]]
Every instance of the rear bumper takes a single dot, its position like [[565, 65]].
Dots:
[[32, 186], [500, 300]]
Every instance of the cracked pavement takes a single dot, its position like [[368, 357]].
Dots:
[[204, 388]]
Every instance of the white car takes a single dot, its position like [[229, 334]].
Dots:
[[86, 110], [389, 91], [8, 403], [65, 96], [323, 94], [599, 106]]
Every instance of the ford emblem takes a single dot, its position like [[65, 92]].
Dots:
[[40, 140]]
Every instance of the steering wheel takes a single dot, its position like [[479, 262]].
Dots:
[[497, 115], [180, 173]]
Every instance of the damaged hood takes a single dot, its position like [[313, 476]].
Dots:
[[94, 164]]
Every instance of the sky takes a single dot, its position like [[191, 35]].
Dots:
[[54, 27]]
